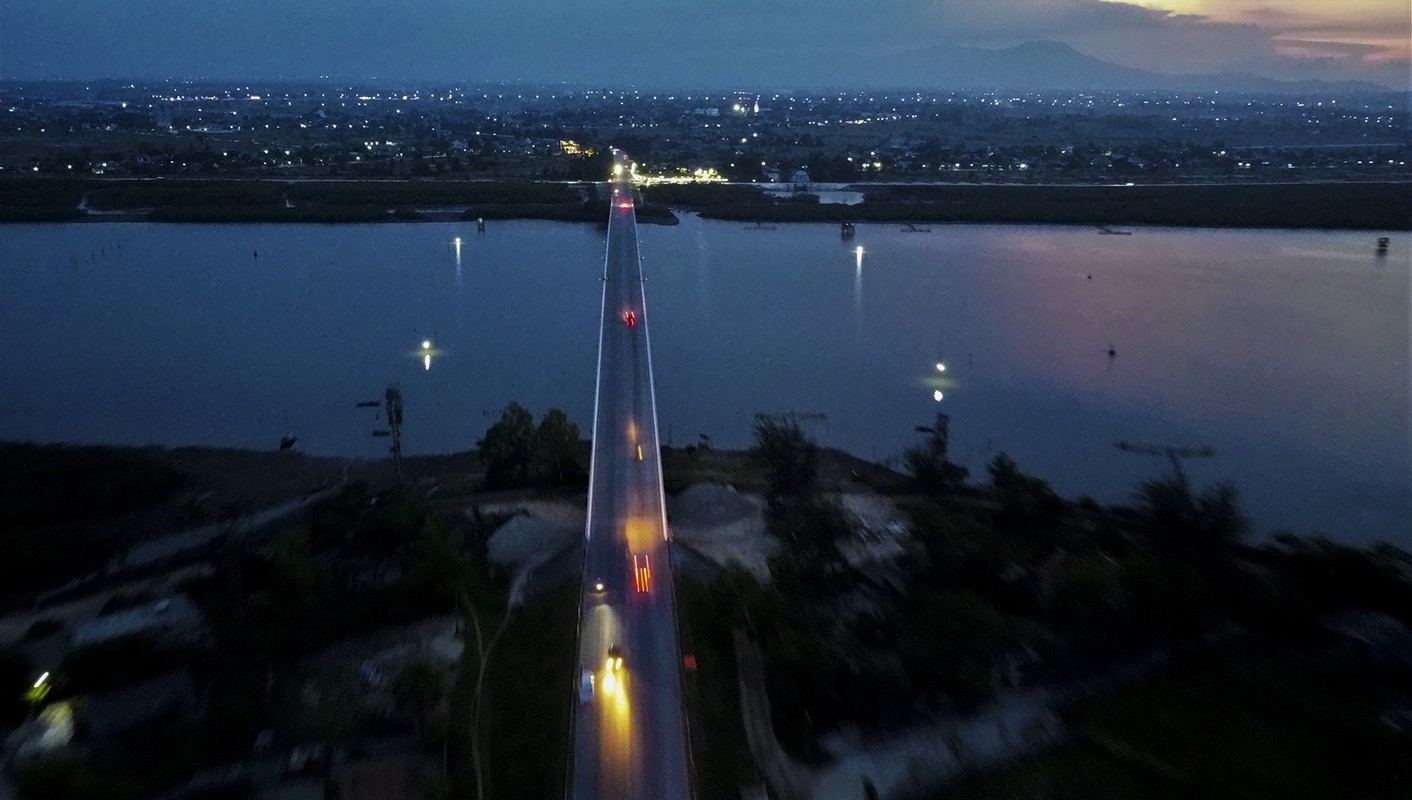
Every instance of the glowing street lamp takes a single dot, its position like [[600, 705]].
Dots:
[[39, 690], [426, 353]]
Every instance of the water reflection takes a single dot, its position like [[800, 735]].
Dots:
[[858, 281], [1284, 350], [425, 353]]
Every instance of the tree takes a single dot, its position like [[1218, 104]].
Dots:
[[928, 463], [1025, 501], [293, 609], [949, 638], [790, 456], [1197, 525], [557, 442], [812, 527], [508, 448], [1089, 606]]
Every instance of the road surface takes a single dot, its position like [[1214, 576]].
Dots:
[[629, 736]]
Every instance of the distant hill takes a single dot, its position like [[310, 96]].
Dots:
[[1036, 66]]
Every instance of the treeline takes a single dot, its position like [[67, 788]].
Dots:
[[518, 453], [327, 214], [40, 199], [431, 193], [1368, 206], [246, 201], [697, 196], [1365, 206]]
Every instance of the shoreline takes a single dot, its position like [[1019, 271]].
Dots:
[[1367, 206]]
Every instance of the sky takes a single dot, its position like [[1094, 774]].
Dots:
[[686, 42]]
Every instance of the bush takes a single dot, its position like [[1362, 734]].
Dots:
[[42, 628], [54, 483], [108, 665]]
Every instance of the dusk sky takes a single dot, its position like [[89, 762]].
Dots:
[[681, 42]]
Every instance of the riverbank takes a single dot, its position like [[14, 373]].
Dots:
[[212, 200], [1345, 206]]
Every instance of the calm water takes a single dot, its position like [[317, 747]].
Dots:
[[1286, 351]]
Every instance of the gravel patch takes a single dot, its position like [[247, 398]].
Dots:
[[724, 525], [526, 538]]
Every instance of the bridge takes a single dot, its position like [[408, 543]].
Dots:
[[629, 728]]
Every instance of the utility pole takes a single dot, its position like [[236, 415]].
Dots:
[[392, 402], [394, 421], [792, 416], [1173, 454]]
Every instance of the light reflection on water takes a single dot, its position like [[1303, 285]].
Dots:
[[1286, 351]]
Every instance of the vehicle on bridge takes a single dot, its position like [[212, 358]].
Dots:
[[612, 669], [642, 572], [586, 687], [630, 319]]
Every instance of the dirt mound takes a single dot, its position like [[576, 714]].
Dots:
[[710, 505], [524, 538]]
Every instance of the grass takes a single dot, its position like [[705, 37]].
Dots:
[[528, 688], [1244, 722], [719, 751]]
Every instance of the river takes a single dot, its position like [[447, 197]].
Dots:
[[1286, 351]]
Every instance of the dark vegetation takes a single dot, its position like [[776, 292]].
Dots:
[[16, 678], [127, 195], [360, 564], [1250, 721], [431, 193], [698, 196], [710, 692], [361, 560], [57, 483], [525, 719], [1371, 206], [1008, 586], [1363, 206], [37, 200], [319, 214], [516, 453], [235, 200], [52, 500]]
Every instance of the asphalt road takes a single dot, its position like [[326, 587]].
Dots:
[[629, 736]]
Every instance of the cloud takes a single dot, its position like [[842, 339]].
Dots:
[[624, 41]]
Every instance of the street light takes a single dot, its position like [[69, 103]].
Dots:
[[38, 691]]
